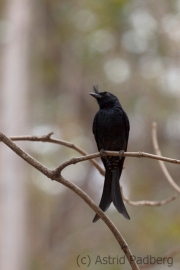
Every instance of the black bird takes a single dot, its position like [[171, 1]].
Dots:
[[111, 132]]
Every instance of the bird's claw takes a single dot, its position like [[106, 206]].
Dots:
[[102, 152], [121, 152]]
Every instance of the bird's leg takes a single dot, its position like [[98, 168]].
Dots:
[[102, 152], [121, 152]]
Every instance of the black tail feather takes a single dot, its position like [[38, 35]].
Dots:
[[106, 195], [116, 193]]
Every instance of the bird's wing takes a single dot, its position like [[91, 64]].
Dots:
[[127, 127], [94, 129]]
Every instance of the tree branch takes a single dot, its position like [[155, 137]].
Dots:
[[147, 203], [47, 138], [86, 156], [56, 175], [29, 159], [161, 163], [52, 174]]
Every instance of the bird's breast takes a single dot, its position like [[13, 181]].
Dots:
[[111, 130]]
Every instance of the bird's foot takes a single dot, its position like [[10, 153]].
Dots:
[[121, 152], [102, 152]]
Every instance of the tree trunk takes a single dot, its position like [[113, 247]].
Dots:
[[14, 111]]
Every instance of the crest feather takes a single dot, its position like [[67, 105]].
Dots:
[[95, 88]]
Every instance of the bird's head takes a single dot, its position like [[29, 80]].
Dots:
[[104, 99]]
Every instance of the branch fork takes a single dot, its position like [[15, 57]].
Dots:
[[56, 175]]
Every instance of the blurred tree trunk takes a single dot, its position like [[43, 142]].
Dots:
[[14, 111]]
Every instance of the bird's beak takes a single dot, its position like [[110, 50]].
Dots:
[[95, 95]]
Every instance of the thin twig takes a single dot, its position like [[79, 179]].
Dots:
[[47, 138], [161, 163], [148, 203], [118, 154], [52, 174]]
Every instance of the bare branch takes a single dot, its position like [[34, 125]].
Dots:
[[103, 216], [29, 159], [142, 154], [161, 163], [47, 138], [148, 203], [52, 174], [112, 153], [56, 175]]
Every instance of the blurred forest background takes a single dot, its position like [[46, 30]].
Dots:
[[52, 53]]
